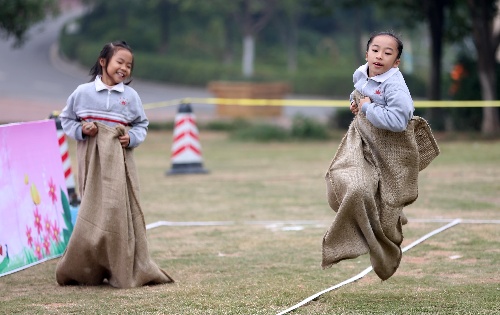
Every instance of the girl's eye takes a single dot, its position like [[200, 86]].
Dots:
[[374, 50]]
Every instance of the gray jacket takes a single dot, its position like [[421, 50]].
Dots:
[[94, 102], [392, 106]]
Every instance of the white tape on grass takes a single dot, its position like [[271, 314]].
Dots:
[[295, 223], [367, 270], [188, 223]]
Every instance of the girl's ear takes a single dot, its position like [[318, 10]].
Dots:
[[396, 63], [102, 62], [366, 56]]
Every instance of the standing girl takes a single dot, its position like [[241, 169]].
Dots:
[[106, 117]]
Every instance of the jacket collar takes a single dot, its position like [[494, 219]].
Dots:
[[381, 77], [99, 85]]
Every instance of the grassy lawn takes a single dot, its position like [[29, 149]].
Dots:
[[248, 268]]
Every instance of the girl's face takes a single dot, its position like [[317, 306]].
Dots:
[[118, 69], [382, 55]]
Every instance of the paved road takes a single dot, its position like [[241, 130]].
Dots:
[[34, 81]]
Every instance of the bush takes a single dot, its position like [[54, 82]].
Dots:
[[261, 132], [227, 125], [466, 86], [308, 128], [340, 119]]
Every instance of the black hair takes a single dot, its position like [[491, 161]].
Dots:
[[106, 53], [388, 33]]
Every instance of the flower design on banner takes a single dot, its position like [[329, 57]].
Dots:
[[38, 250], [56, 232], [28, 236], [38, 220], [47, 224], [35, 195], [52, 191], [46, 244], [48, 227]]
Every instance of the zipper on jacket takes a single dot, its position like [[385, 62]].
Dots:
[[363, 87], [107, 101]]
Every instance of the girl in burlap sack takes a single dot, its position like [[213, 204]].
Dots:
[[107, 119], [374, 173]]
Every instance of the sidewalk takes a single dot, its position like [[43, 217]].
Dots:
[[22, 110]]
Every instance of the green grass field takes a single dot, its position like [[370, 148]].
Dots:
[[247, 268]]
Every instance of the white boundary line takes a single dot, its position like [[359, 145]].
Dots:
[[297, 222], [188, 223], [367, 270]]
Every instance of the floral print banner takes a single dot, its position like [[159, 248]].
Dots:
[[35, 215]]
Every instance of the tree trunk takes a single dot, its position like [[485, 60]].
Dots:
[[435, 14], [165, 11], [252, 24], [228, 55], [482, 21], [291, 44], [248, 55]]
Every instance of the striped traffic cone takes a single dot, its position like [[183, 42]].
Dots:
[[63, 148], [186, 149]]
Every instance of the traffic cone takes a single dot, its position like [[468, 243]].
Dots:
[[186, 149], [63, 148]]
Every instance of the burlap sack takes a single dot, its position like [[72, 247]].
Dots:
[[109, 239], [373, 175]]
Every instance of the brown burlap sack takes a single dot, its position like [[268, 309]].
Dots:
[[109, 239], [373, 175]]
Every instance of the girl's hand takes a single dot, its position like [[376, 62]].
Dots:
[[124, 140], [89, 129], [354, 108]]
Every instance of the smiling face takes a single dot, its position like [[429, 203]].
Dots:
[[118, 68], [382, 55]]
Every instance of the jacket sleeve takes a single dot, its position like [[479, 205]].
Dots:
[[70, 122], [140, 124], [397, 112]]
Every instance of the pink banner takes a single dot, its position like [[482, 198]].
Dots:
[[35, 216]]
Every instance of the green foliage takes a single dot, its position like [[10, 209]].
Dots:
[[261, 132], [169, 125], [467, 87], [303, 128], [67, 217], [193, 43], [17, 16], [226, 125], [340, 119], [307, 128]]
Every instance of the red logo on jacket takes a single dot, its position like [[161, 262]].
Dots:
[[123, 101]]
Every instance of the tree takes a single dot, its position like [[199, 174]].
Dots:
[[166, 10], [288, 16], [252, 15], [486, 40], [17, 16]]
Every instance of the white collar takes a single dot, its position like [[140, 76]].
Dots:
[[99, 85], [381, 77]]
